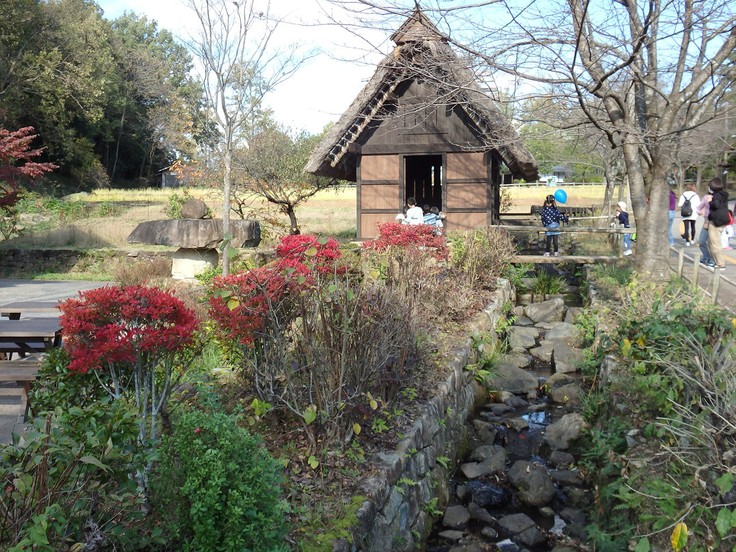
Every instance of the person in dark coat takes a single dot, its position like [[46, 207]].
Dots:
[[718, 218], [551, 218]]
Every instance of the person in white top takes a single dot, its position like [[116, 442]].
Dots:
[[689, 207], [414, 214]]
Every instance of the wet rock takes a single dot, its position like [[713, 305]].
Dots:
[[546, 311], [561, 459], [522, 338], [451, 535], [566, 359], [544, 351], [515, 402], [532, 482], [567, 478], [499, 409], [568, 428], [489, 533], [564, 331], [487, 495], [517, 424], [474, 470], [559, 379], [514, 524], [456, 517], [485, 431], [479, 514], [523, 445], [513, 379], [566, 394], [489, 452], [531, 537]]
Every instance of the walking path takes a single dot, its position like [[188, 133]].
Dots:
[[11, 419]]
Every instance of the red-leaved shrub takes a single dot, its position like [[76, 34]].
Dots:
[[115, 324], [240, 303], [394, 234], [320, 254]]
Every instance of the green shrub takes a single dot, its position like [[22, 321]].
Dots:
[[56, 386], [216, 488], [67, 482], [482, 254]]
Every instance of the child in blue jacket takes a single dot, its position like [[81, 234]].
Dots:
[[551, 218]]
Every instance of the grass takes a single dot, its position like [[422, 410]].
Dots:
[[114, 213]]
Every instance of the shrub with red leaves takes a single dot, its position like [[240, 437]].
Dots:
[[240, 303], [320, 254], [115, 324], [394, 234]]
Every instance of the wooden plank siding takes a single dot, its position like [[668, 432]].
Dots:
[[379, 192], [468, 199]]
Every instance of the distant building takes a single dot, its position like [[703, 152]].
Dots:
[[169, 179]]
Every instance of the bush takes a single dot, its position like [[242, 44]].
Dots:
[[217, 489], [482, 254], [139, 273], [421, 236], [68, 480]]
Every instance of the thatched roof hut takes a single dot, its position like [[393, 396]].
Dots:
[[423, 127]]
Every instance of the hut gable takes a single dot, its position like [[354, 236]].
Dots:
[[421, 97]]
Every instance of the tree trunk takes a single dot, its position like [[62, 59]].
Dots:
[[292, 220], [226, 190]]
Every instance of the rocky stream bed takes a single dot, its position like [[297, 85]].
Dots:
[[519, 488]]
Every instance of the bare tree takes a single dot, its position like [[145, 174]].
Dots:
[[241, 65], [645, 74]]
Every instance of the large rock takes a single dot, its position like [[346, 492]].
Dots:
[[546, 311], [560, 434], [510, 378], [533, 483], [194, 209], [196, 233]]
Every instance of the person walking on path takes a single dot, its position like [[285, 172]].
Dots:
[[688, 200], [673, 212], [622, 216], [718, 217], [551, 218], [703, 209]]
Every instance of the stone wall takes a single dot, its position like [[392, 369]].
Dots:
[[408, 478]]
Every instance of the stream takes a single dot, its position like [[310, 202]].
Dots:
[[518, 488]]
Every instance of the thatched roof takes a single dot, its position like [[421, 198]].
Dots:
[[421, 52]]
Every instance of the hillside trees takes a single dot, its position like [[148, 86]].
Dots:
[[72, 76]]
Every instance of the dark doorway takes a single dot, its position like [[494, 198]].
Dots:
[[423, 179]]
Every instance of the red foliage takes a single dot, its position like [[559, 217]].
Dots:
[[310, 252], [394, 234], [240, 303], [16, 162], [116, 324]]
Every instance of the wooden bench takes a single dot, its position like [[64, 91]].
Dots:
[[23, 373]]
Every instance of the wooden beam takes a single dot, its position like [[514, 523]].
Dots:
[[579, 259], [565, 229]]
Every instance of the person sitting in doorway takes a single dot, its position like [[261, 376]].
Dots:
[[414, 214]]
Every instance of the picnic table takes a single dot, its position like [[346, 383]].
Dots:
[[29, 336], [14, 310]]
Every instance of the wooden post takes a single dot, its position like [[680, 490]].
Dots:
[[716, 285], [680, 261], [696, 267]]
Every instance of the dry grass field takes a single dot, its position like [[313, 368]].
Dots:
[[330, 212]]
